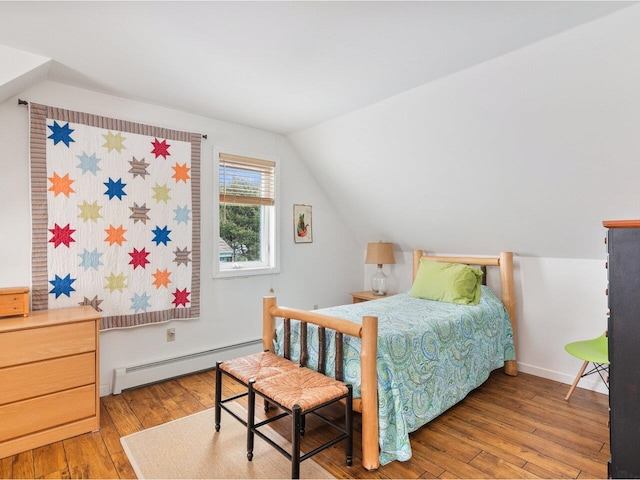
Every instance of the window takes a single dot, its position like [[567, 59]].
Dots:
[[246, 215]]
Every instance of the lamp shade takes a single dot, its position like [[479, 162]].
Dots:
[[380, 253]]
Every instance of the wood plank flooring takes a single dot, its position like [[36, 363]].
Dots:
[[510, 427]]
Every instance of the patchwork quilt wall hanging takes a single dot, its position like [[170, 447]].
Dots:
[[115, 217]]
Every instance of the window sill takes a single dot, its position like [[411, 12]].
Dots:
[[245, 272]]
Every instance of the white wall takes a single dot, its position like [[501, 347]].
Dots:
[[528, 152], [20, 70], [321, 273]]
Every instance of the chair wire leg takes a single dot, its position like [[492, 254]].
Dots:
[[603, 368]]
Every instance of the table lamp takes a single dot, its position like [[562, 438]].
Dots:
[[380, 253]]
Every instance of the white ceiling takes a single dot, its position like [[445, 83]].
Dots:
[[278, 66]]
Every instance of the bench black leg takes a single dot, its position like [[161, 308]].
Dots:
[[218, 394], [349, 425], [298, 418], [295, 442], [250, 419]]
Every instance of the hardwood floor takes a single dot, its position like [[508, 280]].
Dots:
[[510, 427]]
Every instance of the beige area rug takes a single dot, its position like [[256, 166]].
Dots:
[[190, 448]]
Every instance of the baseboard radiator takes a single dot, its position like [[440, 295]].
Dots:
[[138, 375]]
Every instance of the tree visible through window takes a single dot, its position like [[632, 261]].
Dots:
[[246, 213], [240, 228]]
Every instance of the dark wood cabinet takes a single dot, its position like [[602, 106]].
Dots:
[[623, 247]]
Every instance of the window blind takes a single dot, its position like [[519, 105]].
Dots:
[[246, 180]]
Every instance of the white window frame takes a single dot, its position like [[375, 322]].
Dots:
[[271, 248]]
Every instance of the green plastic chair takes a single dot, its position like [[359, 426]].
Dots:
[[594, 351]]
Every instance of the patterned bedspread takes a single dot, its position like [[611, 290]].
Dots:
[[430, 356]]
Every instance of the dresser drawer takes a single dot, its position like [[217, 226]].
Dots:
[[20, 418], [32, 345], [49, 376]]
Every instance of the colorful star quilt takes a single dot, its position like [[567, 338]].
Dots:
[[115, 216]]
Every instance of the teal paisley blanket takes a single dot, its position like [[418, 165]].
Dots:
[[430, 356]]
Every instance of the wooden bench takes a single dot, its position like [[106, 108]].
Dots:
[[298, 393], [256, 366], [297, 390]]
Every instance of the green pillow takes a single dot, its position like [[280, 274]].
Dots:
[[447, 282]]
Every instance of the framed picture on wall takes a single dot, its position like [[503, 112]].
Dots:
[[302, 224]]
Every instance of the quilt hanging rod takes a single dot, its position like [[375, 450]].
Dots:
[[24, 102]]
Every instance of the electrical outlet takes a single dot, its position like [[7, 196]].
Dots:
[[315, 307], [171, 334]]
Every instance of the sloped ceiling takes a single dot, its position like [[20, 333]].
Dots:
[[278, 66], [19, 71], [527, 152], [461, 127]]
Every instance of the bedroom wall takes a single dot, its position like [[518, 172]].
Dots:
[[528, 152], [320, 273]]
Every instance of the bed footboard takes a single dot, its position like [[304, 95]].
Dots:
[[367, 405]]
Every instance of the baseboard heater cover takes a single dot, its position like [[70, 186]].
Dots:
[[138, 375]]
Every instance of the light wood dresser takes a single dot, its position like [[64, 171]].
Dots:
[[49, 377]]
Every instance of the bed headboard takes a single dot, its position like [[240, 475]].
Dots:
[[505, 263]]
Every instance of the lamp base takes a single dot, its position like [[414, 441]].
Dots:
[[379, 282]]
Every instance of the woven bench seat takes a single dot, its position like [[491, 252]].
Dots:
[[254, 366], [300, 392], [303, 387]]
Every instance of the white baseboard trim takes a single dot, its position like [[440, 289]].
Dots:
[[137, 375], [592, 382]]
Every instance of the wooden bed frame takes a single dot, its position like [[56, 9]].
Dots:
[[367, 405]]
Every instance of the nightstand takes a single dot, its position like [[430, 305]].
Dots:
[[366, 296]]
